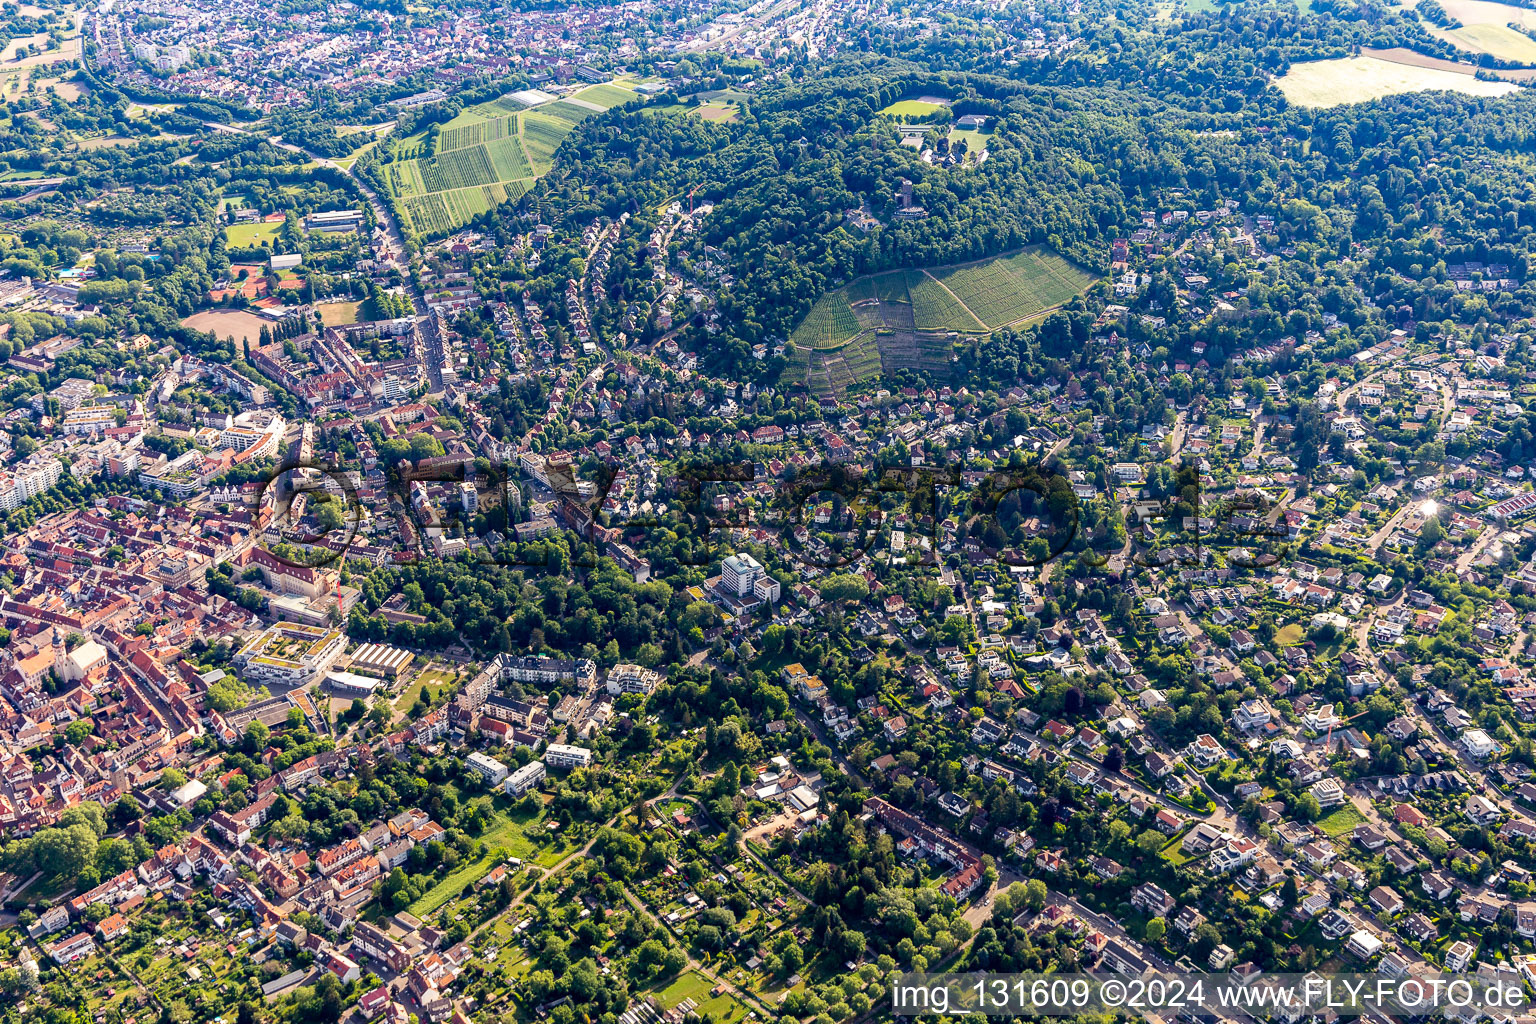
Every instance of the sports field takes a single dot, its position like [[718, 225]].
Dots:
[[227, 323], [1332, 83], [247, 236], [335, 314], [917, 110]]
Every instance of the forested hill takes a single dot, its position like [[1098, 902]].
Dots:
[[784, 176], [1213, 62]]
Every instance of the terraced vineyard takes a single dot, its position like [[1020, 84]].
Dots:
[[542, 135], [574, 112], [841, 370], [475, 132], [892, 286], [935, 308], [1007, 290], [906, 319], [458, 168], [830, 323], [490, 154]]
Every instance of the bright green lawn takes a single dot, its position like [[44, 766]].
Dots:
[[1341, 821], [690, 985], [915, 110], [249, 236], [503, 839], [1289, 635]]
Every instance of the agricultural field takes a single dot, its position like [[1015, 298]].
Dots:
[[710, 105], [488, 155], [108, 141], [891, 287], [835, 370], [607, 96], [1485, 28], [570, 110], [542, 134], [43, 49], [70, 90], [716, 110], [719, 105], [474, 133], [1332, 83], [1499, 40], [458, 168], [926, 109]]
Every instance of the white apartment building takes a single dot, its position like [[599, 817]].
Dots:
[[488, 768], [561, 755], [29, 478], [525, 778], [739, 572]]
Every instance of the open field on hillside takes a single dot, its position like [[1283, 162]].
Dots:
[[917, 110], [108, 141], [1499, 40], [1402, 55], [716, 110], [68, 91], [975, 141], [606, 96], [1485, 28], [1332, 83]]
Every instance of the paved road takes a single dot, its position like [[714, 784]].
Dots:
[[1379, 538], [394, 250]]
